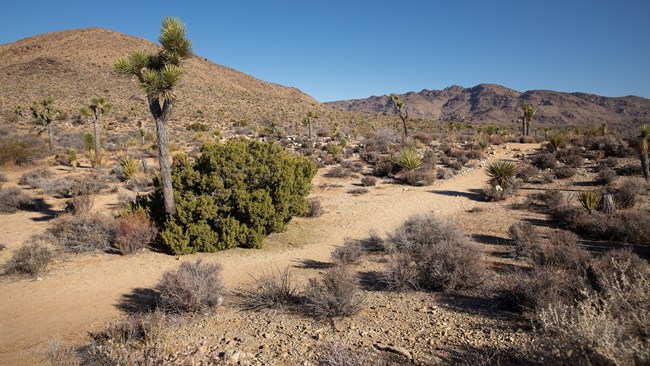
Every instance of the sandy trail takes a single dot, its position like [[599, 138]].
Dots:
[[82, 293]]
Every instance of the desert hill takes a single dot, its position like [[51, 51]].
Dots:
[[73, 66], [486, 103]]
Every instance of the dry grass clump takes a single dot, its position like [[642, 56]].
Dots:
[[272, 290], [193, 287], [314, 208], [31, 259], [13, 199], [82, 233], [34, 178], [368, 181], [81, 185], [335, 294], [349, 253], [133, 233], [432, 254]]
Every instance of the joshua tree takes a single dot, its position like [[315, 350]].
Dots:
[[159, 75], [403, 114], [529, 113], [17, 113], [45, 114], [309, 117], [642, 149], [97, 108]]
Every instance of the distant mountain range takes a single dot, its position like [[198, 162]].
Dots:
[[487, 103]]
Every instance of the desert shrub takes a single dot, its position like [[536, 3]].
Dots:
[[547, 176], [444, 173], [565, 172], [370, 157], [197, 127], [383, 168], [335, 295], [349, 253], [407, 159], [314, 208], [574, 160], [272, 290], [193, 287], [81, 185], [629, 170], [561, 251], [527, 172], [432, 254], [79, 205], [368, 181], [21, 149], [606, 176], [133, 232], [13, 199], [338, 172], [475, 154], [82, 233], [627, 195], [233, 195], [354, 166], [497, 193], [525, 238], [34, 178], [545, 161], [383, 140], [30, 259], [420, 177], [358, 191]]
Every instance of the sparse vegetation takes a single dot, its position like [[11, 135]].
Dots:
[[82, 233], [97, 108], [133, 232], [73, 186], [314, 208], [30, 259], [13, 199], [335, 294], [21, 149], [272, 291], [193, 287]]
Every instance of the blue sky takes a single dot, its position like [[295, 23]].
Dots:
[[353, 49]]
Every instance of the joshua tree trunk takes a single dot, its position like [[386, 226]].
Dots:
[[406, 131], [49, 137], [309, 128], [164, 156], [97, 144], [645, 165]]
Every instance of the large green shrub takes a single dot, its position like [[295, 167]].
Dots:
[[233, 195]]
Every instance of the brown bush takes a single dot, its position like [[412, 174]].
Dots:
[[545, 161], [422, 231], [368, 181], [82, 233], [68, 187], [314, 208], [497, 193], [565, 172], [335, 295], [358, 191], [193, 287], [133, 232], [627, 195], [272, 290], [420, 177], [349, 253], [338, 172], [21, 149], [34, 178], [13, 199], [451, 267], [79, 205], [525, 238], [527, 172], [574, 161], [30, 259], [383, 168], [606, 176]]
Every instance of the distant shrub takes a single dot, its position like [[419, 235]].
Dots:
[[335, 295], [314, 208], [525, 238], [133, 232], [420, 177], [358, 191], [574, 161], [627, 195], [21, 149], [82, 233], [79, 205], [497, 193], [234, 194], [368, 181], [349, 253], [34, 178], [545, 161], [73, 186], [13, 199], [565, 172], [383, 168], [383, 140], [30, 259], [338, 172], [193, 287], [606, 176], [527, 172], [197, 127], [272, 290]]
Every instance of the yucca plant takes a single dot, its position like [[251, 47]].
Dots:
[[642, 149], [408, 160], [334, 148], [129, 168], [556, 141], [72, 156], [589, 200], [502, 173]]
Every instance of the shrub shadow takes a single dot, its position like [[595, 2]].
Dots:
[[44, 208], [311, 264], [490, 239], [371, 281], [474, 194], [139, 300]]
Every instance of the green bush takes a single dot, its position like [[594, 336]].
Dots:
[[233, 195]]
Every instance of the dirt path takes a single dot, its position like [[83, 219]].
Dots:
[[82, 293]]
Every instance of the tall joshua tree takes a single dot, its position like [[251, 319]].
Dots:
[[309, 118], [45, 114], [398, 105], [642, 149], [529, 113], [159, 75], [97, 108]]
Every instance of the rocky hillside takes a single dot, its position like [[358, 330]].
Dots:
[[486, 103], [73, 66]]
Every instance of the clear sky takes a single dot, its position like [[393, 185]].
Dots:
[[353, 49]]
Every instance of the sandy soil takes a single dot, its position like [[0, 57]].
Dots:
[[82, 293]]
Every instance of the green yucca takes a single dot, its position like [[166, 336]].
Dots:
[[556, 141], [129, 168], [334, 148], [502, 172], [408, 160], [589, 200]]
